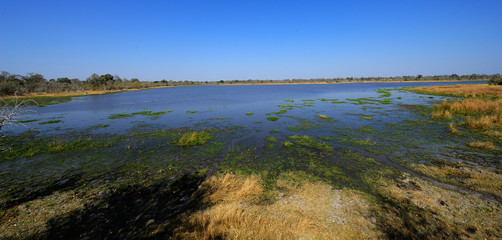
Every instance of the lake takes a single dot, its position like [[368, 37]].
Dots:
[[213, 106]]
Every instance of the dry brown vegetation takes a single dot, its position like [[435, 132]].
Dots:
[[483, 112], [436, 213], [471, 90], [483, 145], [299, 210], [473, 178]]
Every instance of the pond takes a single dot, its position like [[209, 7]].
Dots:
[[254, 107]]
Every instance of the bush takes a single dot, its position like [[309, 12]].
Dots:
[[495, 81]]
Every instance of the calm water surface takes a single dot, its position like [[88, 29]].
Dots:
[[227, 106]]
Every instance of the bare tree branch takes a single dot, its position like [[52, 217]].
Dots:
[[9, 109]]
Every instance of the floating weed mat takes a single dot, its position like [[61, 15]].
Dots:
[[144, 113]]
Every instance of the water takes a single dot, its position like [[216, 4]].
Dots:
[[227, 106]]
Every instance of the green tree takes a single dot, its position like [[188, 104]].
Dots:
[[63, 80], [94, 80], [33, 80]]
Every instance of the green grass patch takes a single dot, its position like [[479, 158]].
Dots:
[[50, 121], [338, 102], [366, 129], [218, 118], [273, 119], [192, 112], [383, 93], [120, 115], [281, 111], [356, 142], [385, 101], [274, 131], [193, 138], [289, 100], [150, 113], [325, 138], [271, 139], [286, 106], [249, 113], [28, 121], [308, 141]]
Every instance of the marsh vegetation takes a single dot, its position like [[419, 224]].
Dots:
[[366, 167]]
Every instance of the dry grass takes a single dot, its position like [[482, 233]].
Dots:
[[453, 129], [483, 145], [71, 93], [438, 213], [470, 90], [472, 106], [473, 178], [484, 122], [482, 113], [306, 210], [438, 114]]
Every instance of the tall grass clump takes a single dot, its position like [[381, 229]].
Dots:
[[471, 90], [194, 138], [480, 113], [483, 145]]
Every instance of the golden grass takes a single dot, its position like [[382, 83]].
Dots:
[[481, 113], [453, 129], [73, 93], [483, 145], [473, 178], [306, 210], [466, 90], [472, 106], [441, 114], [484, 122], [438, 211]]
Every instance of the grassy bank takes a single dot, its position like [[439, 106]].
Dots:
[[43, 99]]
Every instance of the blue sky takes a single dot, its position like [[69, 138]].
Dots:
[[213, 40]]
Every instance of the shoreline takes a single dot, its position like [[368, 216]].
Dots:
[[103, 92], [73, 93], [345, 82]]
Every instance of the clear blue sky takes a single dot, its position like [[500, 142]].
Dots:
[[256, 39]]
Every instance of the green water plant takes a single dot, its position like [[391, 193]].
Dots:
[[119, 115], [271, 139], [193, 138], [308, 141], [50, 121]]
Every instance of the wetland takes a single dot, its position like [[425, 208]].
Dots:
[[414, 160]]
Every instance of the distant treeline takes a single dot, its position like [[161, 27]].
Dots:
[[14, 84]]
